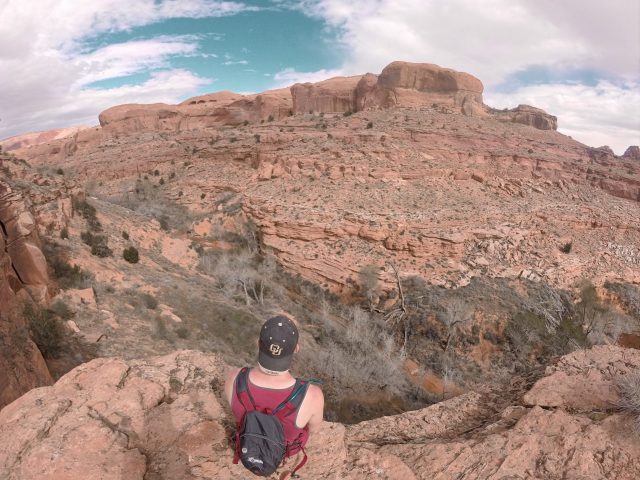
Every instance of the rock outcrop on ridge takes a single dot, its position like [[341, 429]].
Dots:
[[23, 274], [163, 418], [400, 84]]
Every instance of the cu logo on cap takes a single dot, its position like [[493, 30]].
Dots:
[[275, 349]]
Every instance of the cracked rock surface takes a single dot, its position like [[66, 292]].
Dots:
[[162, 418]]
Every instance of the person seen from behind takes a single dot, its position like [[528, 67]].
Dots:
[[269, 388]]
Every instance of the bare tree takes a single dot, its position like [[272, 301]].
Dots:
[[370, 284], [549, 304], [457, 314]]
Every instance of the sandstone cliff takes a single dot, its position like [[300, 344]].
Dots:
[[23, 274], [164, 418]]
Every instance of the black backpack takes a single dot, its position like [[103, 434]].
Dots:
[[260, 443]]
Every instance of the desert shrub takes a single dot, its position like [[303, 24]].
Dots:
[[131, 255], [6, 171], [60, 171], [61, 309], [202, 195], [369, 283], [98, 244], [156, 173], [182, 332], [257, 137], [88, 212], [125, 235], [270, 118], [370, 125], [629, 392], [629, 295], [101, 250], [164, 223], [240, 274], [65, 274], [64, 233], [149, 301], [47, 330], [364, 357], [160, 328], [347, 113], [566, 248], [161, 181]]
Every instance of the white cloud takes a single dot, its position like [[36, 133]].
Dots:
[[236, 62], [45, 47], [496, 40], [82, 108], [289, 76], [490, 39], [605, 114], [122, 59]]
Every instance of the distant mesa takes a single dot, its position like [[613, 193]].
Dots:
[[400, 84], [36, 138]]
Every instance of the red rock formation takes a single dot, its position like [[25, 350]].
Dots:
[[632, 153], [415, 84], [532, 116], [22, 269], [160, 418], [329, 96], [25, 265]]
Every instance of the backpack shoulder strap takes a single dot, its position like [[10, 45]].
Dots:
[[294, 400], [242, 390]]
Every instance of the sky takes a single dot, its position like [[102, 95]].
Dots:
[[62, 62]]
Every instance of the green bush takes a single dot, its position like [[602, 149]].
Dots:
[[131, 255], [566, 248], [65, 274], [149, 301], [347, 113], [98, 244], [88, 212], [47, 331], [101, 250], [125, 235]]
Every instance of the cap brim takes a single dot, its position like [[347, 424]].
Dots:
[[279, 364]]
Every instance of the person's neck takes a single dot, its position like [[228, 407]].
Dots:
[[272, 373]]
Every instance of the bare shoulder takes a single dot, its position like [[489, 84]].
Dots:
[[315, 395], [232, 373]]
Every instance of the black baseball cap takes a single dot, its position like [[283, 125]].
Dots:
[[278, 340]]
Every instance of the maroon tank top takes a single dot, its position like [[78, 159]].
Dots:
[[270, 398]]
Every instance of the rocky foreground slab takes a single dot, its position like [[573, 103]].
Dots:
[[163, 419]]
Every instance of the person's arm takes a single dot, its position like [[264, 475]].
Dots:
[[228, 384], [317, 408]]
